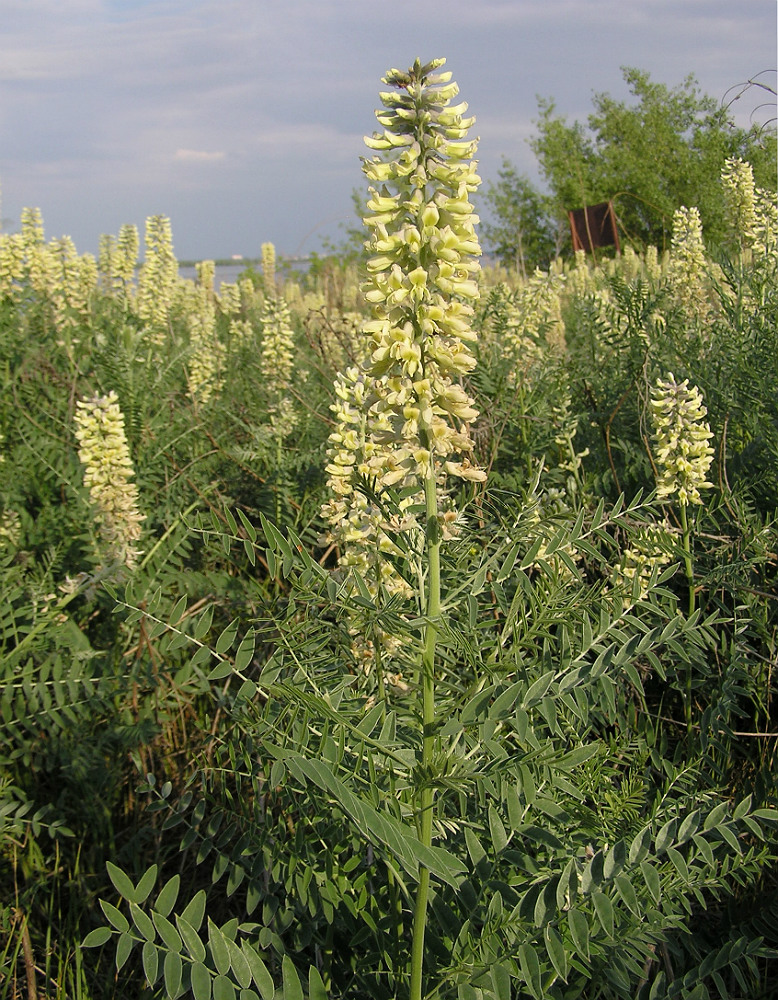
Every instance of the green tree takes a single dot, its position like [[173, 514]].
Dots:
[[523, 234], [663, 149]]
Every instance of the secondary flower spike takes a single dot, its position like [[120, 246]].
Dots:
[[108, 470], [682, 435]]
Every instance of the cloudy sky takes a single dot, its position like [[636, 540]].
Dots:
[[242, 120]]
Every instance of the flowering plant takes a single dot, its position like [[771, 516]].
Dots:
[[682, 435], [105, 454]]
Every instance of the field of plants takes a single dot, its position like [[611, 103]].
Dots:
[[404, 630]]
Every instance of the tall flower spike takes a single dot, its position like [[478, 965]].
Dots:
[[32, 227], [269, 268], [104, 452], [127, 247], [277, 364], [206, 274], [688, 266], [76, 278], [681, 435], [158, 277], [737, 180], [206, 351], [12, 257], [422, 276], [106, 258]]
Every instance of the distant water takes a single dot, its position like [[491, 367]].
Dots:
[[231, 272], [224, 272]]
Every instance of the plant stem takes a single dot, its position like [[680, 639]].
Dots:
[[279, 454], [689, 566], [424, 814], [687, 556]]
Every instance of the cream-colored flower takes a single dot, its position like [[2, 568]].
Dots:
[[104, 452], [206, 274], [229, 299], [403, 418], [581, 281], [269, 268], [206, 358], [277, 364], [12, 254], [681, 435], [652, 264], [127, 247], [687, 269], [73, 287], [117, 261], [158, 277], [651, 550], [753, 212], [422, 277], [630, 264], [10, 529], [737, 180], [534, 321], [766, 242], [32, 227], [356, 525], [365, 540], [241, 332]]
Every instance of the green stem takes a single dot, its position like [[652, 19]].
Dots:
[[279, 454], [424, 814], [524, 433], [376, 640], [689, 567]]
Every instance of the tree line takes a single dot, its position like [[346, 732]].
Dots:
[[660, 149]]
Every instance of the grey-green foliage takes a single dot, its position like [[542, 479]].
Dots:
[[566, 862], [71, 713], [187, 952]]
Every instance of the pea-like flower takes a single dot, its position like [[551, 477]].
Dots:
[[737, 180], [206, 351], [752, 211], [688, 266], [104, 452], [403, 418], [681, 433], [421, 277], [534, 320], [269, 268], [358, 526], [277, 364], [158, 278], [651, 549]]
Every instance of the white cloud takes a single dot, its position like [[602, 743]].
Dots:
[[199, 155]]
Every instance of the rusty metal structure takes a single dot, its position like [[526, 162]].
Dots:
[[594, 226]]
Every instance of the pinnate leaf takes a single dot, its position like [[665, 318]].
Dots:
[[121, 882], [223, 989], [556, 951], [168, 895], [97, 937], [292, 987], [201, 982], [173, 974], [115, 916], [150, 962]]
